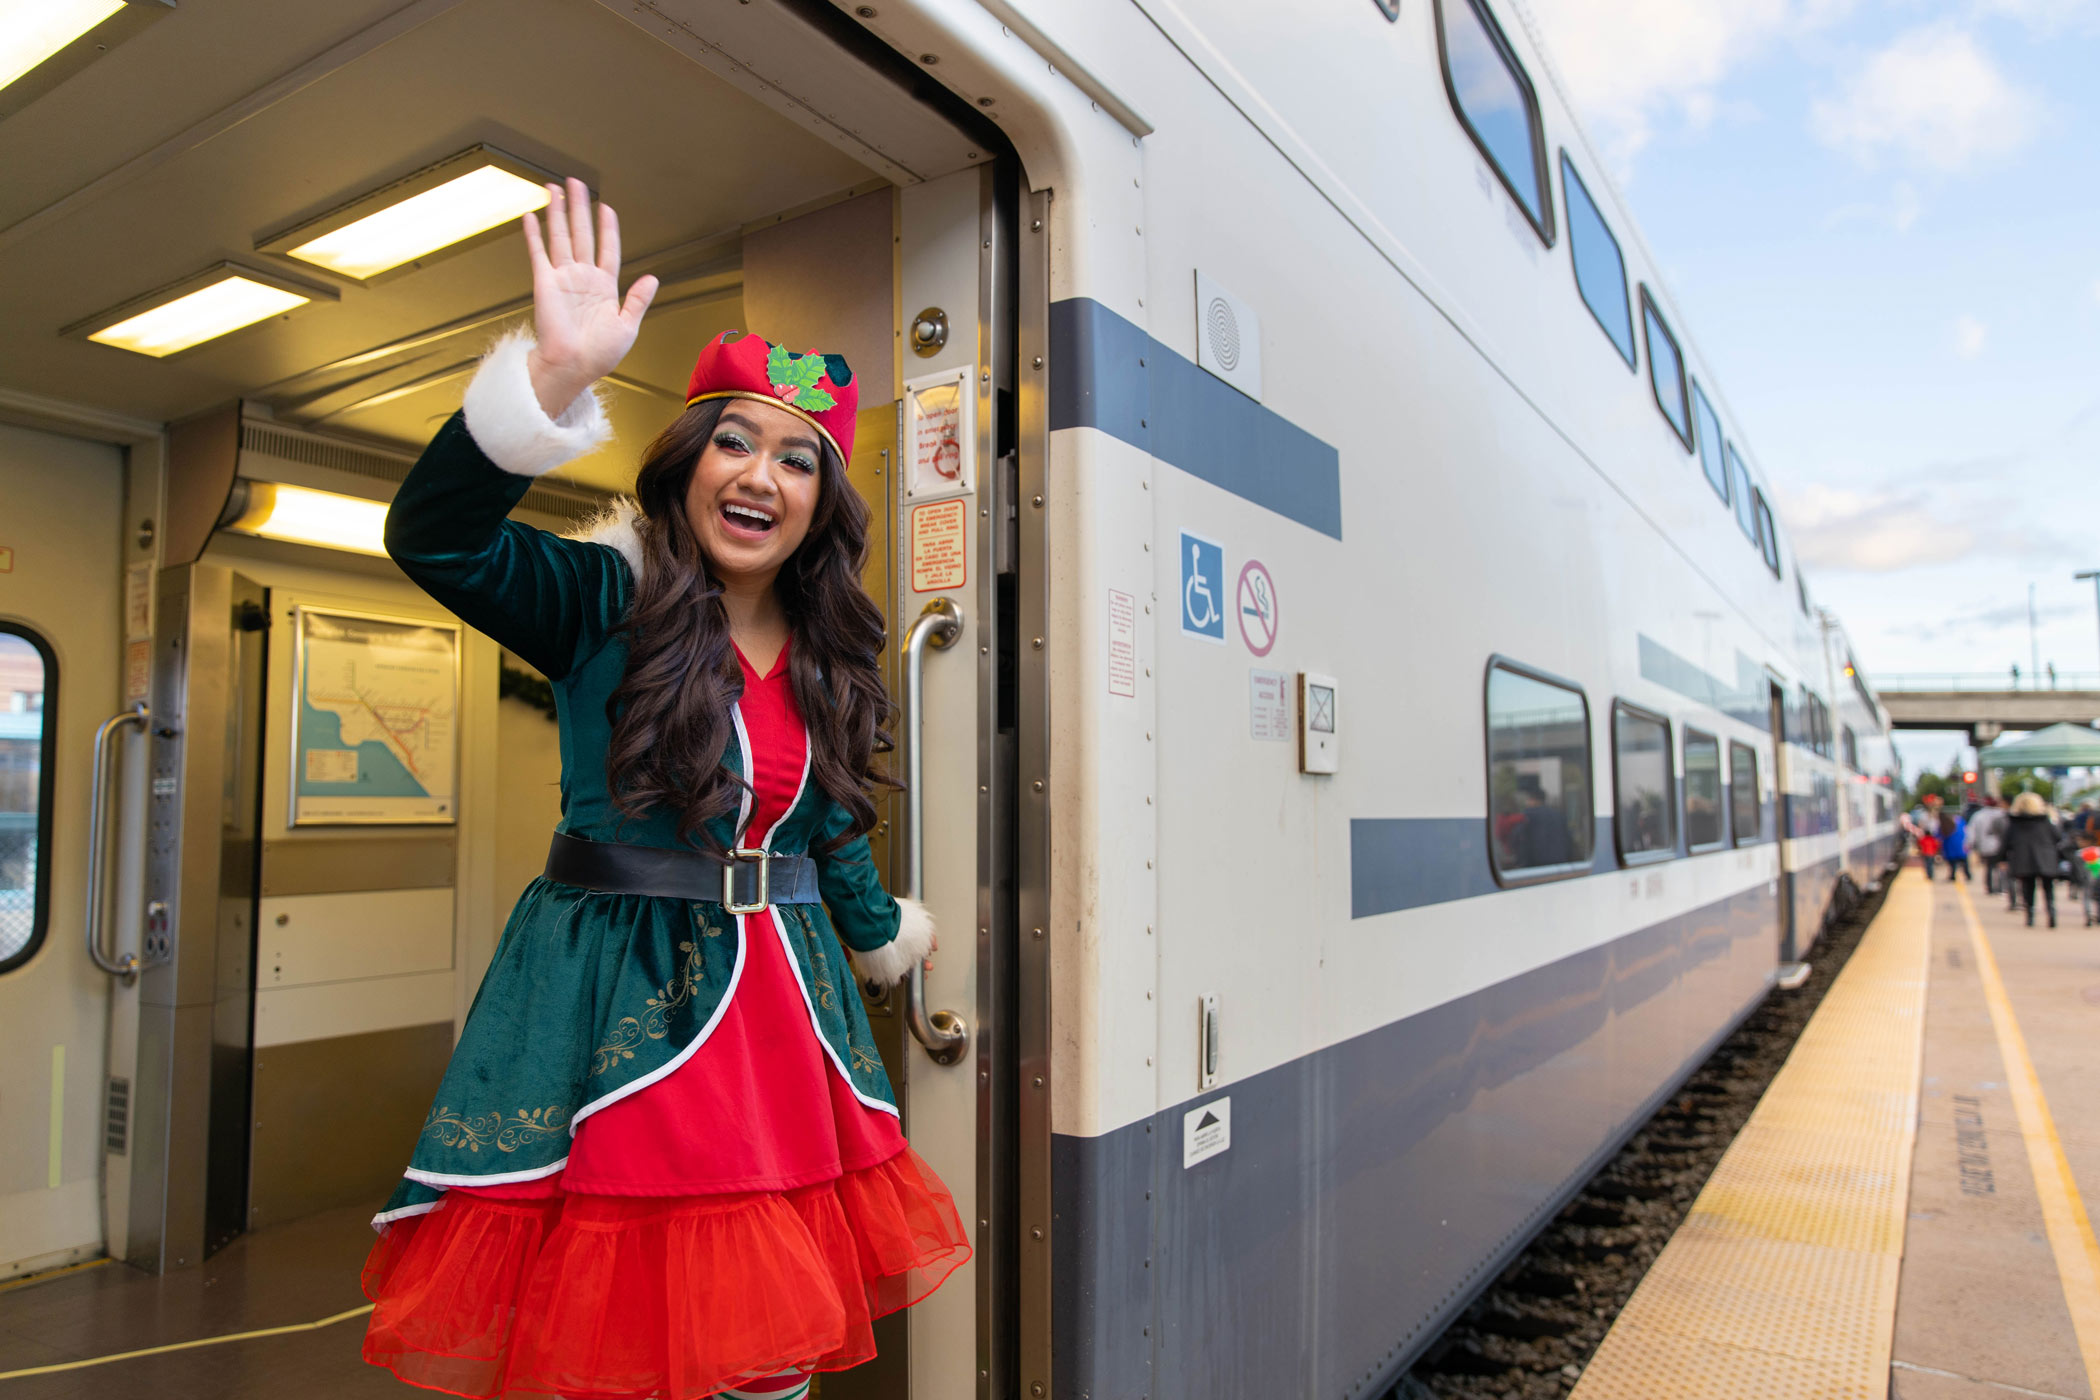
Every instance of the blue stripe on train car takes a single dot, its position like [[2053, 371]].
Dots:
[[1109, 374], [1373, 1187]]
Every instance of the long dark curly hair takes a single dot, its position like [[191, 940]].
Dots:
[[670, 715]]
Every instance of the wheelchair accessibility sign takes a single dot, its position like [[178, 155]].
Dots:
[[1203, 598]]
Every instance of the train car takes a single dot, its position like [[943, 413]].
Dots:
[[1359, 695], [1868, 770]]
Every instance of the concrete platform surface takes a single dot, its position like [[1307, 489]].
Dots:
[[1989, 1303]]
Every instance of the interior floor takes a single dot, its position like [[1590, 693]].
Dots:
[[294, 1274]]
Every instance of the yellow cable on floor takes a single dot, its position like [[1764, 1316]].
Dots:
[[185, 1346]]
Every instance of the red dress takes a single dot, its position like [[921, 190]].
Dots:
[[746, 1215]]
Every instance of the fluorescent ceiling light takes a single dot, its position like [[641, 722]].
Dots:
[[229, 301], [33, 30], [302, 515], [473, 193]]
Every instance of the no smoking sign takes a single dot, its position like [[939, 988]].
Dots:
[[1256, 605]]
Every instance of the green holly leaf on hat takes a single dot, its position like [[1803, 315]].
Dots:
[[794, 379]]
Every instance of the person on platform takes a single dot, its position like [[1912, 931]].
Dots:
[[1985, 837], [1927, 819], [2031, 853], [1954, 846], [665, 1159]]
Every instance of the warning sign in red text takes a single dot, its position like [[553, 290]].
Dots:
[[1122, 643], [939, 546]]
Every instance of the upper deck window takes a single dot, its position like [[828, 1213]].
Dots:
[[1600, 269], [1666, 371], [27, 709], [1496, 104], [1745, 509], [1710, 459], [1767, 533]]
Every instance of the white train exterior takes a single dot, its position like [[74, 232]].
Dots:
[[1448, 464], [1387, 741]]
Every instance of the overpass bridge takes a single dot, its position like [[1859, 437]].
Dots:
[[1987, 705]]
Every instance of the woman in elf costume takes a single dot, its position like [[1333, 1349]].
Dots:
[[665, 1159]]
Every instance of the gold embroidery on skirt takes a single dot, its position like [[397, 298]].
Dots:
[[654, 1023], [827, 993], [507, 1134]]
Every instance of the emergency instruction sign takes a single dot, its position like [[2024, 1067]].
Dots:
[[940, 554]]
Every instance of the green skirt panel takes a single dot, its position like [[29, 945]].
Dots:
[[591, 994]]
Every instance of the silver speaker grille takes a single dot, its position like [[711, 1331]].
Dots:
[[1223, 328]]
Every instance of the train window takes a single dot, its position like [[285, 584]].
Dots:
[[1496, 104], [1644, 784], [1539, 808], [1666, 371], [28, 706], [1600, 269], [1848, 748], [1710, 459], [1745, 512], [1801, 588], [1743, 803], [1703, 827], [1767, 534], [1389, 8]]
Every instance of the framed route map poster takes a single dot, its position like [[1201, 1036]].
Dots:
[[375, 720]]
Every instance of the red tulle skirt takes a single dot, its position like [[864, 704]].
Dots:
[[605, 1297]]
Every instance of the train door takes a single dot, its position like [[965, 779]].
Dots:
[[1782, 820], [61, 571], [928, 458]]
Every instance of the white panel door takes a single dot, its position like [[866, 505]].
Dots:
[[60, 602]]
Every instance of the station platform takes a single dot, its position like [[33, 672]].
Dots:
[[1904, 1214]]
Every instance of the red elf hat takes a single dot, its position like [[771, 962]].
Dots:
[[816, 388]]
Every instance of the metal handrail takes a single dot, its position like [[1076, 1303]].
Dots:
[[125, 965], [944, 1034]]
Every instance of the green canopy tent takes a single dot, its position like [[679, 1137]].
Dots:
[[2058, 746]]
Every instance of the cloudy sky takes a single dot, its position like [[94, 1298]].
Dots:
[[1882, 220]]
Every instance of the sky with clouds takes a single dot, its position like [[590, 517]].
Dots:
[[1881, 219]]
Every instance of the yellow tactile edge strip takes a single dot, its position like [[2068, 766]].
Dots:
[[1782, 1280]]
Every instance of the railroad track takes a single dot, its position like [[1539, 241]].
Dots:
[[1529, 1336]]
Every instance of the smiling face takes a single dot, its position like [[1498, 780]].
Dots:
[[754, 491]]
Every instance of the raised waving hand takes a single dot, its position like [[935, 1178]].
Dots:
[[585, 329]]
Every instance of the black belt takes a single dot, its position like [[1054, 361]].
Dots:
[[746, 883]]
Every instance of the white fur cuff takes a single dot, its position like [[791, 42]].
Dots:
[[617, 528], [509, 426], [900, 955]]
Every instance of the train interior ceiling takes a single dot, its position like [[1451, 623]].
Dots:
[[771, 178], [115, 191]]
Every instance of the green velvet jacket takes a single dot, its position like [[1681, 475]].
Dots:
[[593, 996]]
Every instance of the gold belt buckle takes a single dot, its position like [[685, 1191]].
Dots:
[[741, 857]]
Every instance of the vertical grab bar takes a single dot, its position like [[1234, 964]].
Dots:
[[944, 1034], [125, 965]]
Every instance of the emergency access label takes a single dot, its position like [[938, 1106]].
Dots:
[[940, 553], [1205, 1132], [1269, 705], [1122, 643]]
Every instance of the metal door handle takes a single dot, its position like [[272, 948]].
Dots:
[[125, 965], [944, 1033]]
